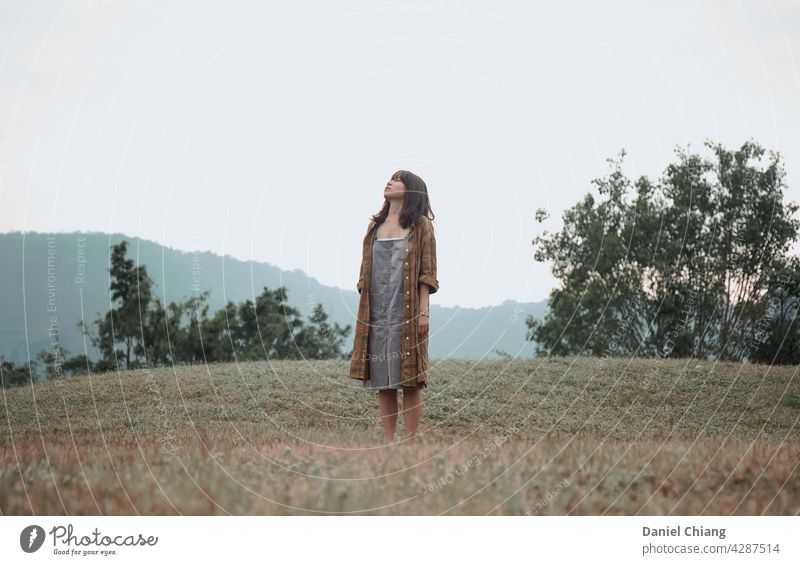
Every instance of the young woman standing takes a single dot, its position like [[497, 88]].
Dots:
[[398, 274]]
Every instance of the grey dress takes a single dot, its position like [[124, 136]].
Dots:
[[386, 313]]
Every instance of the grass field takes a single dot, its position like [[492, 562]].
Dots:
[[547, 436]]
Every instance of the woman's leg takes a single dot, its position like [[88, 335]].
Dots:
[[387, 404], [412, 408]]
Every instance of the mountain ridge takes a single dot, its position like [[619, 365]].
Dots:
[[469, 332]]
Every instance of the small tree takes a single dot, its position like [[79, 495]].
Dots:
[[320, 340], [12, 375], [131, 291]]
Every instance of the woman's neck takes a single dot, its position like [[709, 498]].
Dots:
[[394, 208]]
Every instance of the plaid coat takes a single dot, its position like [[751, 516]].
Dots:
[[419, 267]]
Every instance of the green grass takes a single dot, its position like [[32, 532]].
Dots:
[[547, 436]]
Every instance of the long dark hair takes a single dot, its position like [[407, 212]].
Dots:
[[415, 202]]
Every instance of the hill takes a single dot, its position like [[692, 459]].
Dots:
[[66, 275], [530, 436]]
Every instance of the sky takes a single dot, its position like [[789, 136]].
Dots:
[[267, 131]]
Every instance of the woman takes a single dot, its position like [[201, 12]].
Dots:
[[398, 273]]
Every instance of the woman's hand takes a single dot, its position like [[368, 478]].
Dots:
[[422, 325], [424, 308]]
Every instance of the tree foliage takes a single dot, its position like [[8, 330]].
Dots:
[[139, 330], [694, 264], [182, 332]]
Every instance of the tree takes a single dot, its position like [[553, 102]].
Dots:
[[12, 375], [220, 333], [320, 340], [182, 331], [172, 334], [677, 267], [131, 292], [57, 362], [268, 328]]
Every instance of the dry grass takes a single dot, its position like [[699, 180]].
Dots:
[[553, 436]]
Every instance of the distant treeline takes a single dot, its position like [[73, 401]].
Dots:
[[140, 331]]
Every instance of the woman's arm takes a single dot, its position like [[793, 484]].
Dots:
[[360, 282], [428, 283], [424, 300], [427, 265]]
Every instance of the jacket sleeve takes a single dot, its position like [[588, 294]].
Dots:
[[427, 265], [360, 282]]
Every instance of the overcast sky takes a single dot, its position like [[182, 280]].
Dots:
[[268, 132]]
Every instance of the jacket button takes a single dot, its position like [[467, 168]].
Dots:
[[406, 262], [406, 337], [407, 292], [408, 305]]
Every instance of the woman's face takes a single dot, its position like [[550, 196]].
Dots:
[[395, 189]]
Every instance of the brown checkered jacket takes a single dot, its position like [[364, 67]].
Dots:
[[419, 267]]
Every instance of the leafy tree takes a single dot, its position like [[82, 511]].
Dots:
[[220, 333], [776, 338], [182, 331], [677, 267], [12, 375], [172, 333], [76, 365], [58, 362], [131, 292], [320, 340], [195, 311], [268, 328]]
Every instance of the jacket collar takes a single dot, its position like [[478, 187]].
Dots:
[[410, 228]]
